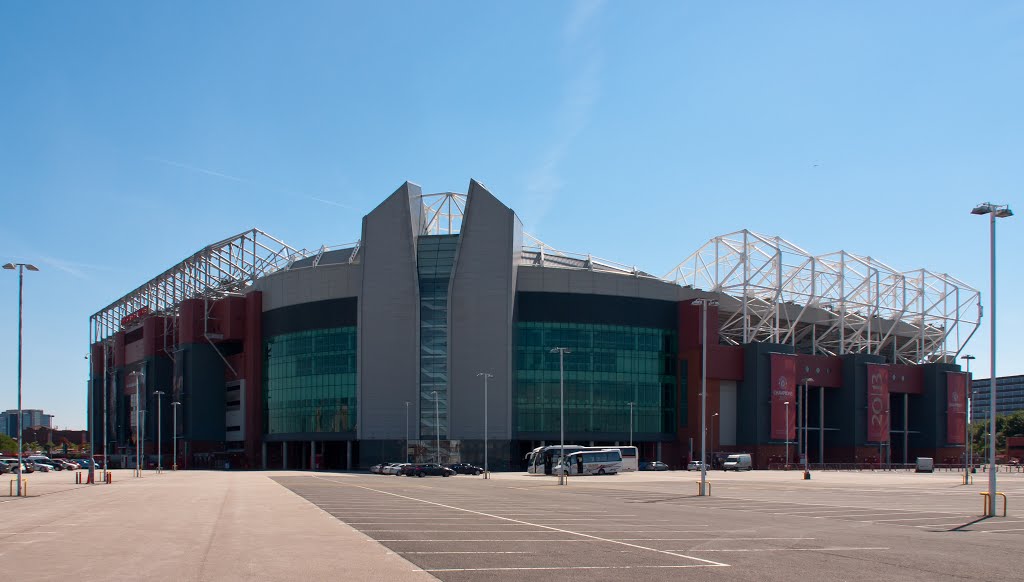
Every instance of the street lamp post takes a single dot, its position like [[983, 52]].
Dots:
[[631, 405], [174, 440], [994, 211], [138, 424], [968, 445], [159, 441], [786, 464], [807, 392], [406, 431], [21, 286], [703, 302], [437, 429], [713, 416], [561, 421], [487, 474]]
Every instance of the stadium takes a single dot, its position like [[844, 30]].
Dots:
[[443, 319]]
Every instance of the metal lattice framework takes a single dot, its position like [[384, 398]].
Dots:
[[223, 268], [443, 212], [831, 304]]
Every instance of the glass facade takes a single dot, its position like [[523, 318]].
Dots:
[[435, 256], [609, 366], [1009, 397], [309, 381]]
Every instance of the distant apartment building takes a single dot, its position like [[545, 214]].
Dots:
[[1009, 396], [30, 418]]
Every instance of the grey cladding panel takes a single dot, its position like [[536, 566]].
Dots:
[[388, 344], [482, 298]]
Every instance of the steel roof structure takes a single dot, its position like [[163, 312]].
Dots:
[[831, 304]]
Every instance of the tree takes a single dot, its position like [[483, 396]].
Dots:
[[8, 445]]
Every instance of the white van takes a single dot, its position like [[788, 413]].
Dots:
[[740, 462]]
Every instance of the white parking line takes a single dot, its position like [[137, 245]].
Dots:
[[703, 539], [999, 530], [909, 519], [676, 554], [407, 553], [832, 549], [478, 540], [708, 565]]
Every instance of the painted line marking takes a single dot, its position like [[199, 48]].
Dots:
[[405, 553], [908, 519], [998, 530], [704, 539], [709, 565], [834, 549], [598, 538], [499, 540]]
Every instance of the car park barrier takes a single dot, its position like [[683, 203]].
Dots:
[[24, 487], [984, 496], [698, 487]]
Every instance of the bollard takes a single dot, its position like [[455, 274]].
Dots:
[[110, 478], [807, 475]]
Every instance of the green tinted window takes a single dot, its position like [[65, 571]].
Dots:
[[609, 366], [309, 381]]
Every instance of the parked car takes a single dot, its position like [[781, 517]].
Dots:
[[694, 465], [5, 468], [740, 462], [40, 466], [394, 468], [376, 468], [424, 469], [12, 464], [654, 466], [465, 469]]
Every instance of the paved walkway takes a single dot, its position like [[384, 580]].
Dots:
[[193, 526]]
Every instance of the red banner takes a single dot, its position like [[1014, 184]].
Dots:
[[783, 386], [956, 407], [878, 403]]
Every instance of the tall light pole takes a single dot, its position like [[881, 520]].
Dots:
[[994, 211], [437, 429], [174, 443], [786, 465], [159, 449], [486, 376], [21, 286], [703, 302], [631, 405], [138, 423], [406, 431], [807, 393], [561, 422], [968, 445], [713, 416]]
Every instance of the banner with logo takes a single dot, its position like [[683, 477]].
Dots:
[[956, 407], [878, 403], [783, 374]]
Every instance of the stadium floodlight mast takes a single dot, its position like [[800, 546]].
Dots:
[[159, 450], [704, 302], [174, 443], [487, 474], [561, 422], [968, 445], [994, 211], [21, 286]]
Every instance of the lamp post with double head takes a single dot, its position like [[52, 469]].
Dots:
[[994, 211], [786, 465], [487, 474], [174, 440], [561, 422], [21, 286], [713, 416], [704, 302], [159, 441]]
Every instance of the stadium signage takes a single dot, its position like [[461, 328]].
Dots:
[[135, 316], [956, 407], [783, 374], [878, 403]]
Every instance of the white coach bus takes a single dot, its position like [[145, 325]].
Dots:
[[543, 460], [603, 462]]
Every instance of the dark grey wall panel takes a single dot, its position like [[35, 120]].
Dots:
[[603, 309], [480, 303], [203, 393], [315, 315], [388, 320]]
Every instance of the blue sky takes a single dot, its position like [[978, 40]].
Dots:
[[133, 134]]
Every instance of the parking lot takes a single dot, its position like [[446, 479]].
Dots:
[[216, 525], [756, 526]]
